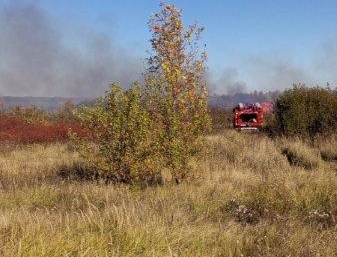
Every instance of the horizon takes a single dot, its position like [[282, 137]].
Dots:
[[75, 49], [214, 94]]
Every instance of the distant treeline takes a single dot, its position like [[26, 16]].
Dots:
[[228, 101], [44, 103], [55, 103]]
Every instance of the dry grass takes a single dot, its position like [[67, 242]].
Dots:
[[242, 199], [300, 153], [327, 147]]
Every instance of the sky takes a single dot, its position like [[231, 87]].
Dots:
[[77, 47]]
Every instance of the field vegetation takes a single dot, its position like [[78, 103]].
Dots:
[[242, 198], [141, 173], [32, 125]]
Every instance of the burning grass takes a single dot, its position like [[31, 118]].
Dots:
[[242, 199]]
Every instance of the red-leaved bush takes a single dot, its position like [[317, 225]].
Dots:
[[16, 130]]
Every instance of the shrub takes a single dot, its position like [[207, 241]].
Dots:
[[221, 118], [144, 129], [31, 115], [123, 146], [66, 113], [306, 111], [15, 129]]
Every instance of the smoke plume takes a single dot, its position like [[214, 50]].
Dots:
[[227, 82], [270, 72], [35, 60]]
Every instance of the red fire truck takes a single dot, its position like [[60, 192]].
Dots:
[[250, 116]]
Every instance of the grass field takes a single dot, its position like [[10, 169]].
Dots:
[[247, 195]]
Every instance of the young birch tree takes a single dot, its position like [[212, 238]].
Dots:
[[176, 90]]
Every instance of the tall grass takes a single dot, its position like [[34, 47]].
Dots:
[[243, 198]]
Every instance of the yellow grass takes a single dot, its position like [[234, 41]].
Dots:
[[238, 179], [327, 148]]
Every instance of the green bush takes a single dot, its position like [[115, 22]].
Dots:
[[139, 132], [306, 111], [123, 147], [178, 127]]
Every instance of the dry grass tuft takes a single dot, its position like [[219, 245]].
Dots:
[[301, 154], [327, 148]]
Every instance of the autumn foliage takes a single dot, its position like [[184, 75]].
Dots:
[[175, 89], [32, 125], [123, 147], [158, 125]]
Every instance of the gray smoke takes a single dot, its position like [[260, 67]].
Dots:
[[35, 60], [266, 74], [275, 73], [269, 72], [227, 82], [326, 63]]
